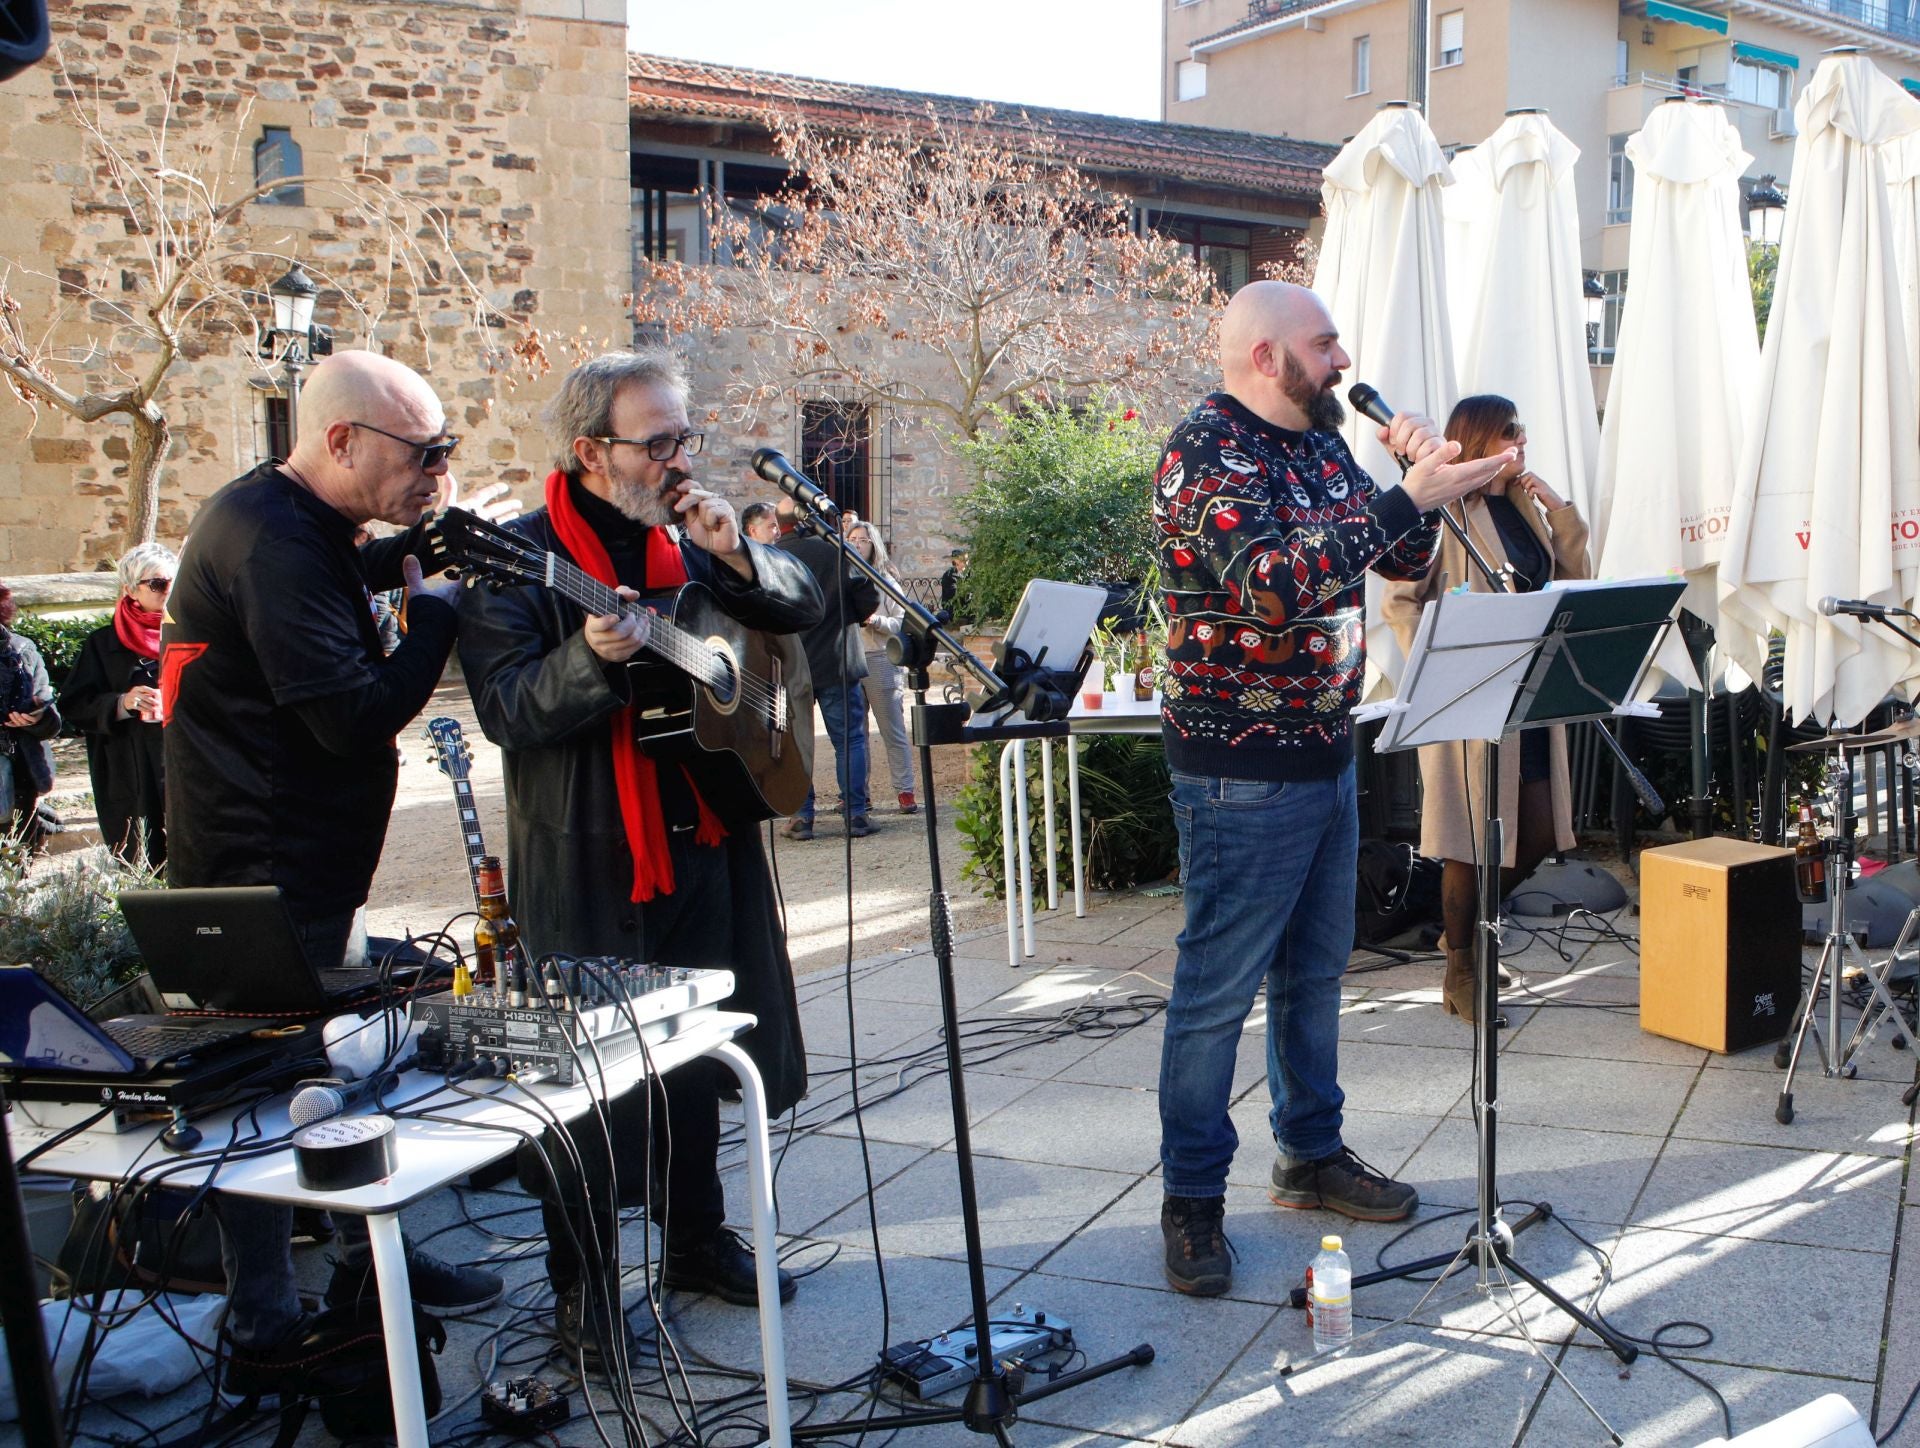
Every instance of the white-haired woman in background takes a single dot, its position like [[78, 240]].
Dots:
[[883, 685], [113, 696]]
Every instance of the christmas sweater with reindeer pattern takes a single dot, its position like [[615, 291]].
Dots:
[[1265, 537]]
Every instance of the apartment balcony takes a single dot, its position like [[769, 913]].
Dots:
[[1894, 28]]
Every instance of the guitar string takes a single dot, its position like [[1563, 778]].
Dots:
[[675, 644], [678, 647], [694, 656]]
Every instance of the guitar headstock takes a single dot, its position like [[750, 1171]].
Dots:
[[448, 746], [483, 551]]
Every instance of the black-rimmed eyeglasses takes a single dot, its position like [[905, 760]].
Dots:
[[661, 449], [432, 454]]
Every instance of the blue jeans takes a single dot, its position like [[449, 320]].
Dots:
[[844, 708], [1269, 871]]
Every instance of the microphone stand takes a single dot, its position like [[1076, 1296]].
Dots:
[[994, 1397]]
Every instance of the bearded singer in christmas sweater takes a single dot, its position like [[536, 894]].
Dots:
[[1266, 528]]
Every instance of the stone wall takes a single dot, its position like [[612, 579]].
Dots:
[[509, 115]]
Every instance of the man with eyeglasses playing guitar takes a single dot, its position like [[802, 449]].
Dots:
[[652, 856], [281, 711]]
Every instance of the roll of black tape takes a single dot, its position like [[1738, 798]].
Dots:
[[344, 1152]]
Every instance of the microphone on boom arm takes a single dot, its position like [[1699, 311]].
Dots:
[[1859, 608], [796, 485]]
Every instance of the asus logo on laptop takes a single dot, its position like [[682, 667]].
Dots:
[[206, 930]]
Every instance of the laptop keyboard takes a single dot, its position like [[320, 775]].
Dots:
[[163, 1042]]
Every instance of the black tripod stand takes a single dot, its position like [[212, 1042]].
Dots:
[[993, 1401], [1481, 667]]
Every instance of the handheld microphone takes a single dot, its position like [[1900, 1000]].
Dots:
[[1858, 608], [794, 483], [318, 1100], [1369, 403]]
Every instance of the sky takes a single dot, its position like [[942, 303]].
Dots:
[[1084, 55]]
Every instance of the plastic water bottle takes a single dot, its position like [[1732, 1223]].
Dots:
[[1332, 1296]]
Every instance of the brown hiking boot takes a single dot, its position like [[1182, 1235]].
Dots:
[[1198, 1254]]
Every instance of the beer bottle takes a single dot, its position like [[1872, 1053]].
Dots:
[[1143, 670], [1810, 860], [496, 938]]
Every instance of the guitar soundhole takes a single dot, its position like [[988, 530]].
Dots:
[[726, 679]]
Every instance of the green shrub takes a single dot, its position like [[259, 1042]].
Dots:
[[1126, 817], [58, 639], [63, 919], [1060, 494]]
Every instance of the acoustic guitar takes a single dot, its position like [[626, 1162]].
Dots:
[[733, 720]]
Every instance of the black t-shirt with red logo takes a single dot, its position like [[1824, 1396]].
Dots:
[[281, 705]]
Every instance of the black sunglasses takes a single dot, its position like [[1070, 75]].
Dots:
[[432, 454], [158, 585]]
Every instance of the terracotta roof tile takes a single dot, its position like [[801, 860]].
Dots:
[[663, 88]]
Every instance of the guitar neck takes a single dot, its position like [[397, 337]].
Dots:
[[664, 638], [470, 833]]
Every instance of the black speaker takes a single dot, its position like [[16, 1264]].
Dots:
[[23, 35]]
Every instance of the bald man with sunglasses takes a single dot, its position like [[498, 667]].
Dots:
[[282, 710]]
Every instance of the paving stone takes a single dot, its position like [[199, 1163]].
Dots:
[[1653, 1406], [1591, 1176], [1469, 1391], [1393, 1018], [916, 980], [1415, 1080], [1600, 1035], [1026, 1209], [1769, 1304], [1589, 1095], [1811, 1197], [1830, 1114], [1109, 1128], [922, 1115], [880, 1026], [814, 1177]]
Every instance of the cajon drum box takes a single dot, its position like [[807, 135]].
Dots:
[[1719, 943]]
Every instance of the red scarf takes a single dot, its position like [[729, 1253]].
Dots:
[[136, 627], [633, 771]]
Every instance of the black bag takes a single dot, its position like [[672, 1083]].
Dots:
[[345, 1370], [157, 1244], [1398, 895]]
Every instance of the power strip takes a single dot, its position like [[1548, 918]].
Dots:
[[937, 1365]]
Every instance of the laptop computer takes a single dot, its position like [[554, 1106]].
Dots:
[[41, 1030], [234, 948]]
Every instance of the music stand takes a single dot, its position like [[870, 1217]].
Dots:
[[1482, 666]]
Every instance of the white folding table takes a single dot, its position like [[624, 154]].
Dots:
[[1119, 713], [432, 1154]]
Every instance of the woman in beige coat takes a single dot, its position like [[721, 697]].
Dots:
[[1528, 533]]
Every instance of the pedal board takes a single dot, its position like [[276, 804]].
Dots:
[[940, 1364]]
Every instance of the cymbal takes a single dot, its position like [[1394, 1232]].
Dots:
[[1907, 729]]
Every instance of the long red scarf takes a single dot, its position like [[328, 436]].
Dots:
[[136, 627], [633, 772]]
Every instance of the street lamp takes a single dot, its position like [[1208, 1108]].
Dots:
[[1766, 212], [1594, 298], [292, 298]]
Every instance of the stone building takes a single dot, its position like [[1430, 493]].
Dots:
[[508, 114], [704, 134]]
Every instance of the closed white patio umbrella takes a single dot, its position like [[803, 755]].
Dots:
[[1827, 494], [1681, 401], [1381, 275], [1523, 330]]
